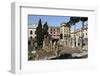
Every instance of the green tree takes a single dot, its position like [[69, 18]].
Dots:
[[39, 34], [45, 29], [83, 19], [73, 21]]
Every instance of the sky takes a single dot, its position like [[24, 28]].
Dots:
[[51, 20]]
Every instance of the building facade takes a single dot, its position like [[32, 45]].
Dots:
[[54, 32], [31, 30], [64, 30], [64, 34], [79, 37]]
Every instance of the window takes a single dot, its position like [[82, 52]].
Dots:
[[78, 44], [29, 42], [61, 36], [50, 29], [30, 37], [31, 32]]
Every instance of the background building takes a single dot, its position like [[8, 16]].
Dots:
[[64, 34], [54, 32], [31, 30], [79, 37]]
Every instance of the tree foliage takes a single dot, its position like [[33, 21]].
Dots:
[[83, 19], [39, 34], [45, 29], [74, 20]]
